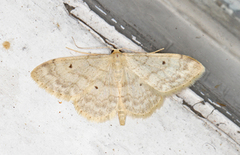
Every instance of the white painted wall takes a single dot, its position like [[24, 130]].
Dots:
[[34, 122]]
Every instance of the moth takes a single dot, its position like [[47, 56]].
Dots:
[[123, 84]]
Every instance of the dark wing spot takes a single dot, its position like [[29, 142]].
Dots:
[[96, 87], [163, 62], [140, 84], [70, 66]]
